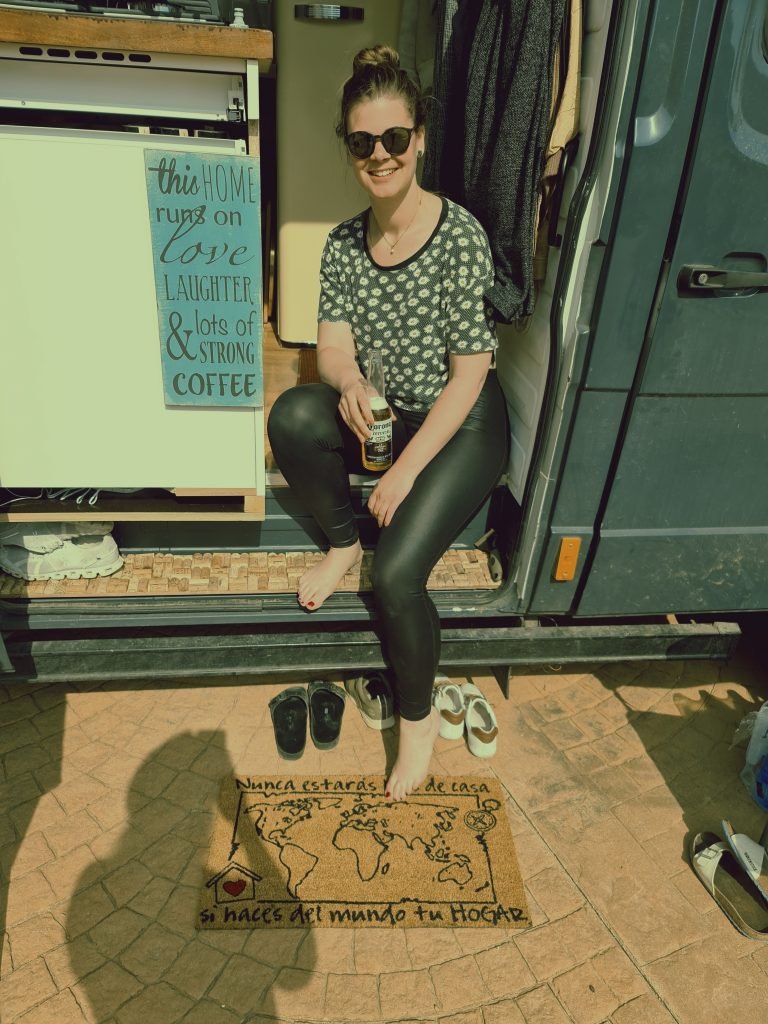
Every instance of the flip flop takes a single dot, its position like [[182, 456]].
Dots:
[[326, 708], [751, 855], [289, 711], [728, 884]]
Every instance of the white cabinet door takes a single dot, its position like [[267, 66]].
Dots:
[[81, 389]]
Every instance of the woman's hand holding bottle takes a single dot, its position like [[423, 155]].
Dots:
[[355, 408]]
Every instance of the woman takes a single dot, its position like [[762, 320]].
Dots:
[[406, 277]]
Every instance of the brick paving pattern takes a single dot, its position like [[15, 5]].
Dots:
[[107, 795]]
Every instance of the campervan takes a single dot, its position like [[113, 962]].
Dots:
[[632, 519]]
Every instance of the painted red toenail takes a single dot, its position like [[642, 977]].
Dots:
[[310, 604]]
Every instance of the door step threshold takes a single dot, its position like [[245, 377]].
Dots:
[[289, 652], [255, 572]]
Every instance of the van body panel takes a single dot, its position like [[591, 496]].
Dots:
[[715, 343], [641, 409], [588, 458], [580, 275], [586, 467], [713, 572], [676, 473], [685, 526], [656, 146]]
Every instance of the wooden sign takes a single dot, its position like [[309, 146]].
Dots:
[[206, 245]]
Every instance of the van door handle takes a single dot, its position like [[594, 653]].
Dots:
[[699, 279]]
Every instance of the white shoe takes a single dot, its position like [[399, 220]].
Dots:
[[45, 537], [482, 727], [82, 558], [448, 700]]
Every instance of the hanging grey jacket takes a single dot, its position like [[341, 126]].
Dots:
[[494, 62]]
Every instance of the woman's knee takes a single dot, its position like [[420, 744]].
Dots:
[[396, 584], [299, 413]]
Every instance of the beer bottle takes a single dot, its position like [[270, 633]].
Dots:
[[377, 450]]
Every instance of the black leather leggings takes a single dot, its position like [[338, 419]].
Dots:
[[316, 451]]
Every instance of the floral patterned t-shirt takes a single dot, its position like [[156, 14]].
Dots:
[[416, 312]]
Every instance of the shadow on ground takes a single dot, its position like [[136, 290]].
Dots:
[[134, 949], [32, 755], [690, 741]]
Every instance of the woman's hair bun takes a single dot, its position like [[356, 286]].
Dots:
[[378, 56], [376, 72]]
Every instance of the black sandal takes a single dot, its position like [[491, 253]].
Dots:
[[326, 709], [289, 711]]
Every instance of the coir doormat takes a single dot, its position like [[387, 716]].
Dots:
[[333, 852]]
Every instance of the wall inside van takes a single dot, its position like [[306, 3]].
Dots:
[[314, 57], [524, 349]]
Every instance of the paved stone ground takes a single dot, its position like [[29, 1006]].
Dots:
[[106, 799]]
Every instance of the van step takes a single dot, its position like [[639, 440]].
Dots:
[[301, 654], [254, 572]]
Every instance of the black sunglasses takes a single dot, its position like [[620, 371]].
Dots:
[[394, 140]]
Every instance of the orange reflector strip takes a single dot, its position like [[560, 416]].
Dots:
[[567, 558]]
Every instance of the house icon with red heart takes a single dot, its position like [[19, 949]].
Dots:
[[234, 883]]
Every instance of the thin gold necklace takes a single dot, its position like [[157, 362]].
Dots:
[[405, 230]]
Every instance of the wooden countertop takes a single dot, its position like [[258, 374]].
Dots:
[[198, 38]]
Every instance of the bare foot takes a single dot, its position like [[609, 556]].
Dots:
[[321, 580], [416, 742]]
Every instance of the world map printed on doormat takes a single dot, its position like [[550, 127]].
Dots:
[[333, 852]]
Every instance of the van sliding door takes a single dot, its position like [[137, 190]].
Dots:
[[685, 521]]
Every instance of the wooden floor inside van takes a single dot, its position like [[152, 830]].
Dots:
[[252, 572]]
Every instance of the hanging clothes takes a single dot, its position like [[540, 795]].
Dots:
[[416, 41], [565, 126], [443, 160], [490, 126]]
